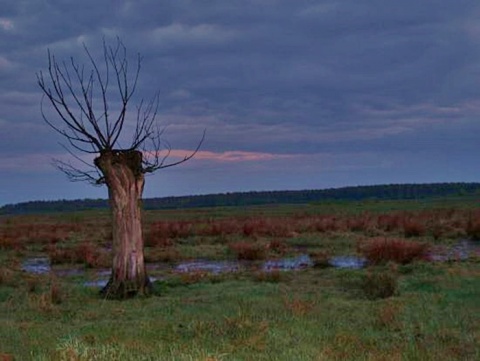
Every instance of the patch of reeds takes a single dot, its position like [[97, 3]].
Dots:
[[87, 253], [161, 231], [381, 250], [249, 251], [277, 246], [268, 227], [413, 228], [473, 226]]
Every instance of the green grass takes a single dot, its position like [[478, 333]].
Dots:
[[306, 315]]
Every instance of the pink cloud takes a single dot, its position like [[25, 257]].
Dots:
[[43, 161], [6, 24], [228, 156]]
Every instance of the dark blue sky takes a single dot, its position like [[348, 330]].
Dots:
[[293, 94]]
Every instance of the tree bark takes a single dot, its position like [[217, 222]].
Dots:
[[124, 177]]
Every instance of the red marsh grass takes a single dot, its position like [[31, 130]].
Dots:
[[381, 250]]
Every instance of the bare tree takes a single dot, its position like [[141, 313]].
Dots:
[[81, 98]]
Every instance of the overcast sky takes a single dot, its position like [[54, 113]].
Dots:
[[296, 94]]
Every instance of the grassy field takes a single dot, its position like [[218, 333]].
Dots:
[[401, 307]]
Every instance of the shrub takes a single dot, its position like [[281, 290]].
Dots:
[[473, 228], [358, 223], [379, 284], [85, 252], [7, 242], [160, 231], [413, 228], [326, 224], [389, 222], [179, 229], [154, 238], [383, 250], [59, 256], [278, 246], [221, 228], [248, 250]]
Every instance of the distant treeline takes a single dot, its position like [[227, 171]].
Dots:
[[377, 192]]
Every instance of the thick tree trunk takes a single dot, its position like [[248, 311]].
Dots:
[[124, 177]]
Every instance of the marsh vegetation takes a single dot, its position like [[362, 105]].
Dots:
[[416, 298]]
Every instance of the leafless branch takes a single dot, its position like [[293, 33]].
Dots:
[[74, 174], [159, 162], [80, 97]]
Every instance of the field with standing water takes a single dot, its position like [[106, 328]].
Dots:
[[372, 280]]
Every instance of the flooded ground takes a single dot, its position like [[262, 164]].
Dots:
[[36, 265], [460, 251], [99, 278], [348, 262], [296, 263], [215, 267]]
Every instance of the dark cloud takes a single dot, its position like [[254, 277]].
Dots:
[[359, 92]]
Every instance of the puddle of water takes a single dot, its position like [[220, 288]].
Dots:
[[37, 265], [347, 262], [461, 251], [41, 265], [214, 267], [300, 262]]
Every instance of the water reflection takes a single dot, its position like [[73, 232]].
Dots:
[[36, 265], [300, 262], [41, 265], [214, 267], [347, 262], [460, 251]]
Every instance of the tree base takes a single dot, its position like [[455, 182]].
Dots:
[[124, 289]]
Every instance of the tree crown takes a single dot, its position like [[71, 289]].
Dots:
[[81, 99]]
